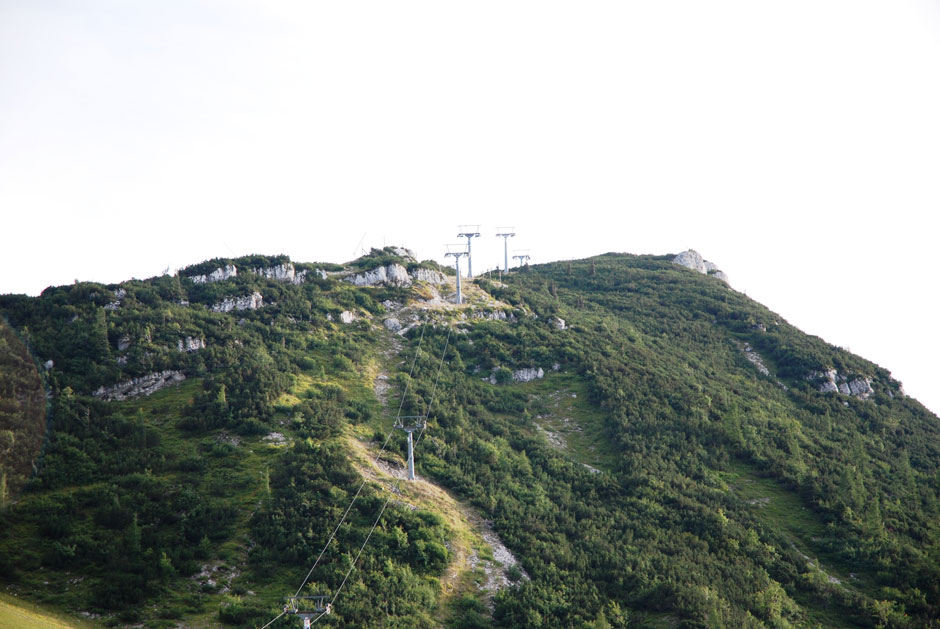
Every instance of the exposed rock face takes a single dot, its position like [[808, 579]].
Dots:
[[281, 273], [860, 388], [429, 275], [144, 385], [834, 382], [190, 344], [221, 273], [401, 252], [391, 275], [275, 438], [491, 315], [559, 323], [247, 302], [692, 259], [49, 364], [123, 343], [528, 374], [755, 359], [347, 317], [119, 295], [393, 324]]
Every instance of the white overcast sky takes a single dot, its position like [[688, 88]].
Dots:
[[796, 144]]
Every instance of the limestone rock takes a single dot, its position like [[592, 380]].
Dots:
[[280, 273], [49, 364], [391, 275], [692, 259], [559, 323], [119, 295], [393, 324], [490, 315], [124, 342], [221, 273], [190, 344], [861, 388], [401, 252], [429, 275], [528, 374], [834, 382], [144, 385], [246, 302], [756, 359], [275, 438], [347, 317]]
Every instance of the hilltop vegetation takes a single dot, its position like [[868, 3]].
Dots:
[[654, 476]]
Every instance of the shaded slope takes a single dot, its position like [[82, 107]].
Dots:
[[22, 413]]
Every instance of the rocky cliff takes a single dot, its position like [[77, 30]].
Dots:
[[692, 259]]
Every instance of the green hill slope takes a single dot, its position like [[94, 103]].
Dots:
[[654, 448]]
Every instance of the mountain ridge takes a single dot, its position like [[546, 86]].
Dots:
[[682, 484]]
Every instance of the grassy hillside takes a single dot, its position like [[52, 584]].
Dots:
[[675, 465]]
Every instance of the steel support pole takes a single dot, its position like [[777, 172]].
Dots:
[[411, 457], [469, 258]]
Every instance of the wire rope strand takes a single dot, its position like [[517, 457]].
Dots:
[[394, 489], [375, 461], [274, 619]]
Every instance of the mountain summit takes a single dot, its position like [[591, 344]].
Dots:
[[608, 442]]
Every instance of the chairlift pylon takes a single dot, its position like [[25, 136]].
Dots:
[[308, 607]]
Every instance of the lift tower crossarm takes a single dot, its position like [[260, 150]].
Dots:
[[469, 234], [412, 426], [309, 608], [506, 235], [456, 255]]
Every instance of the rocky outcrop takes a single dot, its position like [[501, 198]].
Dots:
[[393, 324], [401, 252], [190, 344], [526, 374], [492, 315], [281, 273], [221, 273], [755, 359], [347, 316], [124, 342], [247, 302], [390, 275], [831, 381], [119, 296], [692, 259], [559, 323], [429, 275], [144, 385]]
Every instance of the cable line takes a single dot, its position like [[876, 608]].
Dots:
[[394, 489], [358, 491], [274, 619]]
